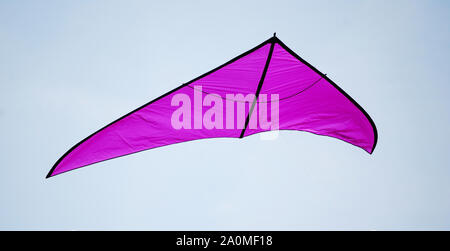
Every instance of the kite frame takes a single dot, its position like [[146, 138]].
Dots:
[[258, 90], [273, 40]]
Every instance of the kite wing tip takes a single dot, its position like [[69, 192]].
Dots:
[[374, 144], [50, 173], [375, 134]]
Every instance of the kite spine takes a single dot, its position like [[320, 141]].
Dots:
[[258, 90]]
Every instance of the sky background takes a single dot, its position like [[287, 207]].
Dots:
[[67, 68]]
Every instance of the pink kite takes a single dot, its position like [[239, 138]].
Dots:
[[264, 89]]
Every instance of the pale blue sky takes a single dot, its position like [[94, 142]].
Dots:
[[67, 68]]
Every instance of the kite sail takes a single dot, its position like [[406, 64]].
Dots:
[[266, 88]]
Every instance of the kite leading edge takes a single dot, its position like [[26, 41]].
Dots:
[[266, 88]]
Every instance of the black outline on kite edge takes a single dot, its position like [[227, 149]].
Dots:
[[272, 40]]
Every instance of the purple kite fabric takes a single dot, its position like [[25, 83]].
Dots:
[[266, 88]]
